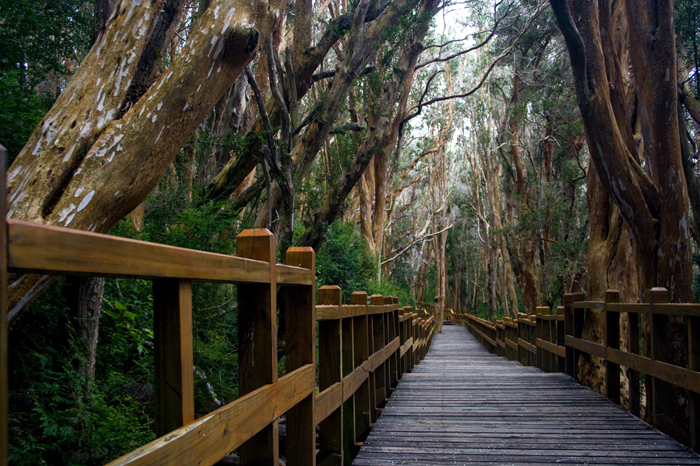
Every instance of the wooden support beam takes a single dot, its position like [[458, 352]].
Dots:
[[300, 338], [172, 331], [329, 370], [257, 340], [694, 365], [361, 354], [612, 340], [661, 392], [348, 408], [379, 342]]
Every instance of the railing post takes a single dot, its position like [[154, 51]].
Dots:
[[694, 365], [409, 334], [378, 344], [612, 340], [541, 327], [348, 407], [257, 340], [389, 335], [300, 338], [633, 375], [329, 373], [361, 350], [560, 338], [569, 331], [661, 392], [174, 371], [397, 333], [4, 391]]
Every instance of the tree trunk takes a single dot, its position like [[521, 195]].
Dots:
[[105, 145]]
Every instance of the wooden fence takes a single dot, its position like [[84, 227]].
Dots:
[[554, 342], [363, 347]]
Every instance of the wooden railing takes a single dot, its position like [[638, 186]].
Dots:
[[363, 348], [554, 343]]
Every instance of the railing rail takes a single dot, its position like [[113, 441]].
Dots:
[[363, 348], [555, 343]]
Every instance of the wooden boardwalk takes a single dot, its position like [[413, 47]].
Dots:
[[463, 405]]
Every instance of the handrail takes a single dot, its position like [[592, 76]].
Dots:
[[374, 343], [555, 342]]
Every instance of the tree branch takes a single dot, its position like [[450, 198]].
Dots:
[[417, 240], [500, 57]]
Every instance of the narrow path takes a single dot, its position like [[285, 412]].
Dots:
[[463, 405]]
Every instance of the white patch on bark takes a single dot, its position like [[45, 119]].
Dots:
[[78, 192], [216, 11], [86, 200], [159, 134], [70, 219], [667, 78], [62, 215], [198, 88], [159, 106], [86, 130], [164, 79], [187, 105], [77, 172], [227, 20], [214, 40], [66, 158], [13, 173], [155, 117], [211, 69]]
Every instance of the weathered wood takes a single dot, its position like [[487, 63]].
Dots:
[[47, 249], [361, 354], [462, 405], [329, 370], [211, 437], [174, 371], [348, 408], [551, 347], [257, 340], [4, 391], [633, 375], [299, 305], [328, 401], [612, 340], [380, 371], [660, 392]]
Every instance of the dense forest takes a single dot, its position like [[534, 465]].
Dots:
[[486, 156]]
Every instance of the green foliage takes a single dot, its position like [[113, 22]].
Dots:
[[55, 417], [38, 38], [344, 260]]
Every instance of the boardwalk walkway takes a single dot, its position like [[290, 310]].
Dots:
[[463, 405]]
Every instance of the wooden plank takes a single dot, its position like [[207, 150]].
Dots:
[[505, 414], [353, 381], [379, 357], [348, 408], [174, 371], [361, 349], [327, 312], [612, 340], [4, 390], [374, 309], [511, 344], [328, 401], [406, 347], [257, 339], [675, 375], [551, 347], [351, 310], [48, 249], [292, 275], [300, 339], [676, 309], [529, 347], [213, 436], [586, 346], [589, 305], [632, 308], [329, 369], [378, 337]]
